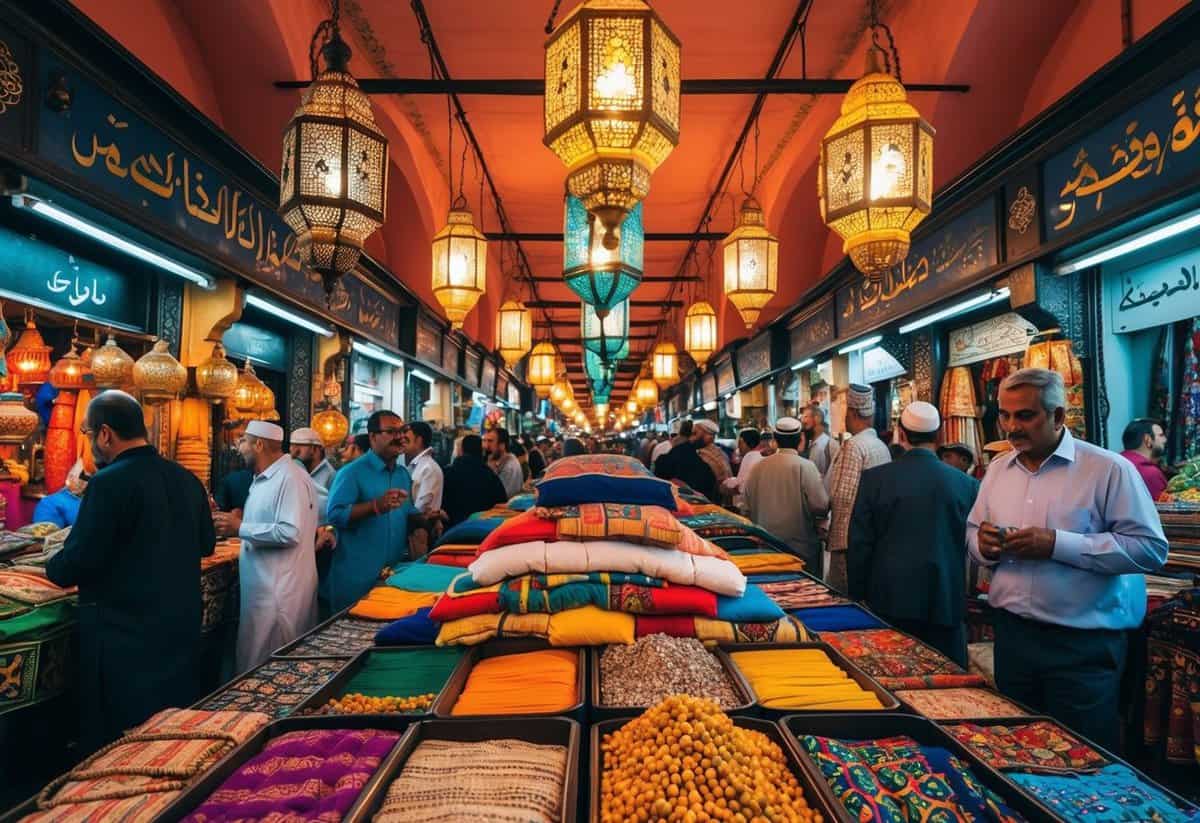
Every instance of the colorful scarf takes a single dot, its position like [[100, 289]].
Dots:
[[1041, 745], [1172, 701], [800, 593], [1115, 794], [899, 661], [960, 704]]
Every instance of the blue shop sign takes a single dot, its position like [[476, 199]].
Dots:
[[1149, 148]]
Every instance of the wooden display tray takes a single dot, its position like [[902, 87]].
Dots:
[[601, 712], [286, 650], [496, 648], [887, 700], [816, 799]]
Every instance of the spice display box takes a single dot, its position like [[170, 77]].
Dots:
[[599, 711], [337, 686]]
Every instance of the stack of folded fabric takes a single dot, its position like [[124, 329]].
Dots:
[[900, 661], [601, 559]]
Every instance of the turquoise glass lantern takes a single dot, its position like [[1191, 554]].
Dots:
[[606, 337], [601, 277], [600, 376]]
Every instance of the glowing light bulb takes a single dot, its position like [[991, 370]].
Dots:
[[460, 268], [616, 82], [749, 271], [886, 171]]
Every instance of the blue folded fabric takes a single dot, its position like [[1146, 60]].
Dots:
[[752, 607], [1113, 794], [774, 577], [837, 618], [470, 532], [415, 630], [522, 502], [423, 577]]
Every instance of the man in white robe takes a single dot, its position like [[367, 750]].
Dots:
[[277, 567]]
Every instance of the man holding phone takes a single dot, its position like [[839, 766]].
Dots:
[[1070, 531]]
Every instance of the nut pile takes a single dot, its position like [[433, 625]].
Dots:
[[657, 666], [355, 703], [684, 759]]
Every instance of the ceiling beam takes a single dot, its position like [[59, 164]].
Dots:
[[502, 87], [574, 324]]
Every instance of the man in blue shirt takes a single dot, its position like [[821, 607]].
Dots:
[[62, 507], [1070, 531], [369, 507]]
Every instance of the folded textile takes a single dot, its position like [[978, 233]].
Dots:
[[837, 618], [416, 629], [472, 530], [403, 672], [343, 637], [386, 603], [522, 502], [422, 577], [276, 687], [1039, 746], [602, 478], [1114, 794], [767, 562], [21, 620], [801, 680], [960, 704], [539, 682], [452, 554], [31, 586], [479, 628], [490, 780], [586, 626], [784, 630], [752, 607], [722, 523], [899, 661], [711, 573], [798, 592], [314, 774]]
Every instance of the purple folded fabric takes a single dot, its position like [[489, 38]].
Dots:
[[312, 775]]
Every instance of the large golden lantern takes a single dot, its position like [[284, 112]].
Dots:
[[158, 376], [664, 363], [68, 373], [611, 104], [569, 406], [29, 359], [631, 405], [751, 263], [216, 377], [560, 391], [247, 398], [646, 392], [111, 367], [875, 175], [601, 409], [331, 426], [333, 181], [542, 369], [700, 332], [459, 264], [514, 331], [16, 421]]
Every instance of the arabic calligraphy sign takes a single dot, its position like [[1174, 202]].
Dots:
[[471, 361], [708, 387], [1160, 292], [16, 65], [936, 266], [725, 378], [42, 273], [487, 382], [754, 358], [1006, 334], [1148, 148], [813, 334]]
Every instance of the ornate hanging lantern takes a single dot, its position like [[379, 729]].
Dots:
[[646, 392], [542, 368], [631, 405], [611, 104], [514, 331], [875, 175], [700, 332], [247, 397], [333, 181], [158, 376], [331, 426], [459, 263], [607, 337], [16, 421], [601, 408], [69, 372], [111, 367], [216, 377], [751, 263], [601, 277], [560, 391], [29, 358], [569, 406], [600, 375], [665, 365]]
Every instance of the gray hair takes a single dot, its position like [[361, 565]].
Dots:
[[1049, 384]]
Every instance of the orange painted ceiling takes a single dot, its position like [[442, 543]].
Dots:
[[1018, 56]]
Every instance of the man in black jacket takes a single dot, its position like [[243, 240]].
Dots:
[[134, 553], [470, 485], [906, 554]]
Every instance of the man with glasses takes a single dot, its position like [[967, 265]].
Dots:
[[369, 506]]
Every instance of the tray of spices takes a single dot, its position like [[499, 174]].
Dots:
[[517, 677], [387, 680], [698, 779], [792, 677], [499, 768], [339, 636], [276, 688], [626, 680]]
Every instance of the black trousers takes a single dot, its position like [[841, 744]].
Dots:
[[949, 640], [1073, 675]]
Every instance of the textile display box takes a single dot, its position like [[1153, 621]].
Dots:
[[275, 688], [545, 731], [822, 802], [887, 701], [599, 711], [339, 636], [877, 726], [196, 794], [38, 668], [577, 711], [911, 706], [337, 686]]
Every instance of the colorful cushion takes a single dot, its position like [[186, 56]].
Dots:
[[470, 531], [423, 577], [523, 528], [415, 630], [386, 603], [591, 626], [752, 607], [603, 478]]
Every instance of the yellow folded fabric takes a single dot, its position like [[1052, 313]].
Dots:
[[386, 603], [801, 679], [591, 626], [479, 628], [784, 630], [540, 682], [767, 563]]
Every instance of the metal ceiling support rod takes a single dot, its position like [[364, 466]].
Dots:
[[697, 86], [651, 237], [645, 279]]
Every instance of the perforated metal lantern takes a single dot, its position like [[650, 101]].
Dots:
[[459, 265], [601, 277], [600, 374], [611, 104], [561, 391], [631, 405], [543, 368], [216, 377], [158, 376], [645, 390], [664, 363], [606, 337], [514, 331], [751, 263], [700, 331], [29, 358], [875, 175], [333, 181], [112, 367], [331, 426]]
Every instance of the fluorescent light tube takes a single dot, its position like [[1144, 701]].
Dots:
[[1132, 244], [861, 344], [71, 221], [376, 353], [295, 318], [958, 308], [808, 361], [420, 375]]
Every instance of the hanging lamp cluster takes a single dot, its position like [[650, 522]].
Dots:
[[602, 277]]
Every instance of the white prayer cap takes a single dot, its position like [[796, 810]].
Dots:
[[787, 426], [861, 399], [707, 425], [305, 437], [920, 417], [265, 430]]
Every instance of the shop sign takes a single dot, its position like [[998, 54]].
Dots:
[[1007, 334], [429, 342], [501, 387], [879, 365], [754, 359], [471, 363], [1149, 148], [487, 382], [514, 396], [260, 346], [1158, 293], [726, 381], [708, 388], [45, 275], [937, 265], [814, 333], [450, 352], [16, 92], [1022, 221], [112, 149]]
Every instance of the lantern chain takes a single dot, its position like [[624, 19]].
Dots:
[[891, 54], [553, 15]]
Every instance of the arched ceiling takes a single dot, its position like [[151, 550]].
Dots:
[[1018, 56]]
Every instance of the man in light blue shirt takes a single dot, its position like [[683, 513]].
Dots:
[[1069, 530], [369, 506]]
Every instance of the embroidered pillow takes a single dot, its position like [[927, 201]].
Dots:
[[603, 478]]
